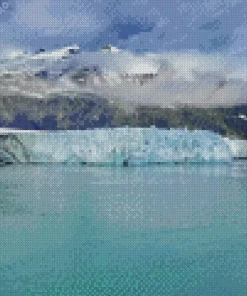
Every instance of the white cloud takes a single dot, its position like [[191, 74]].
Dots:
[[188, 77]]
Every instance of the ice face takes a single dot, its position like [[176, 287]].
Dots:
[[119, 146], [238, 147]]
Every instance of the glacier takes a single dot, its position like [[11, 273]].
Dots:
[[123, 146], [238, 147]]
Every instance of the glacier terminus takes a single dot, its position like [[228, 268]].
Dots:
[[122, 146]]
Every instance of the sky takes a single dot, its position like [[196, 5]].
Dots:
[[201, 42], [137, 25]]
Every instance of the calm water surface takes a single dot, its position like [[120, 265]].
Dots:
[[168, 230]]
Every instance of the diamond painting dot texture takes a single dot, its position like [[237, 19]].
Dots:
[[123, 148]]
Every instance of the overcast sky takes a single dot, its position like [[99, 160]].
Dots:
[[138, 25]]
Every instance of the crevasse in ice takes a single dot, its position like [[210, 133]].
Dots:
[[123, 146]]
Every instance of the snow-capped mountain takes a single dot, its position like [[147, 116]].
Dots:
[[168, 79]]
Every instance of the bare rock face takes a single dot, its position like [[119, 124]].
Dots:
[[61, 112], [83, 111]]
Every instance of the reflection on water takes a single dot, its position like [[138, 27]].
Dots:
[[164, 230]]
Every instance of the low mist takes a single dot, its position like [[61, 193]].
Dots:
[[177, 79]]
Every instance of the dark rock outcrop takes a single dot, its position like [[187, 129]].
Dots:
[[89, 111]]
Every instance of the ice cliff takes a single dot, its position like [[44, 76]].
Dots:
[[115, 146]]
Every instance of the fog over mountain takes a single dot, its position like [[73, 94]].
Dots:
[[177, 78]]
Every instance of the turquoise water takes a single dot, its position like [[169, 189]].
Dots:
[[164, 230]]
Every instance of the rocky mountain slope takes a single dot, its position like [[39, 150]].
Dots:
[[89, 111]]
